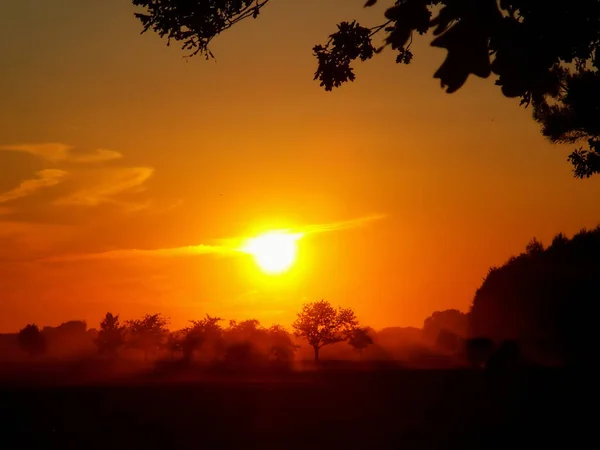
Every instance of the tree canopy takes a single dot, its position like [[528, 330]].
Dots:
[[451, 320], [548, 57], [544, 297], [360, 339], [322, 324], [149, 333], [31, 340], [111, 335]]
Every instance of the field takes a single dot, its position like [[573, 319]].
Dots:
[[331, 409]]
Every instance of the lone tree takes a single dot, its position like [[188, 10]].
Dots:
[[546, 56], [32, 341], [148, 333], [360, 339], [111, 335], [321, 324]]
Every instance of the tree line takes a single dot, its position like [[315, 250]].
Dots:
[[319, 323], [536, 306]]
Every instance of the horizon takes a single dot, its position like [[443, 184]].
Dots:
[[132, 176]]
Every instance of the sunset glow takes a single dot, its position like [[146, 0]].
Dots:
[[274, 251], [135, 180]]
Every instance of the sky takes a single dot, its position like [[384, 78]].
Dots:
[[115, 152]]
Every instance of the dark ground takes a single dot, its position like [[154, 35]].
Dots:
[[399, 409]]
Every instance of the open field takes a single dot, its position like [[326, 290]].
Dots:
[[345, 409]]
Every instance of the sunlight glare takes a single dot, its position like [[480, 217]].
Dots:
[[274, 251]]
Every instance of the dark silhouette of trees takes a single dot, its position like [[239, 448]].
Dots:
[[360, 339], [507, 356], [31, 340], [199, 332], [248, 342], [448, 342], [111, 335], [148, 334], [321, 324], [544, 297], [282, 348], [546, 57], [450, 320], [478, 351], [194, 23]]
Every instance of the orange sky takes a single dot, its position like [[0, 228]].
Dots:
[[112, 141]]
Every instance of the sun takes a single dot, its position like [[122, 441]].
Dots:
[[274, 251]]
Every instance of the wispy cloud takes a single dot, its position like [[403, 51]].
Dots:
[[153, 253], [58, 152], [119, 181], [343, 225], [45, 178], [226, 246]]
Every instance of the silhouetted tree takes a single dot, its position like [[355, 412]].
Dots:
[[243, 355], [148, 334], [174, 342], [447, 341], [111, 335], [478, 351], [547, 57], [282, 348], [261, 343], [359, 340], [451, 320], [534, 247], [199, 332], [544, 296], [31, 340], [69, 338], [507, 356], [321, 324]]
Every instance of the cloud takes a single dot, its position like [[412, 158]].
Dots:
[[119, 181], [227, 246], [57, 152], [98, 155], [338, 226], [133, 253], [45, 178]]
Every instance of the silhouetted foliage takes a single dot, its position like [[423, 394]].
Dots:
[[72, 327], [260, 343], [148, 334], [447, 341], [31, 340], [359, 339], [546, 56], [243, 355], [321, 324], [507, 356], [194, 22], [534, 247], [200, 331], [544, 296], [450, 320], [478, 351], [111, 335], [281, 346]]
